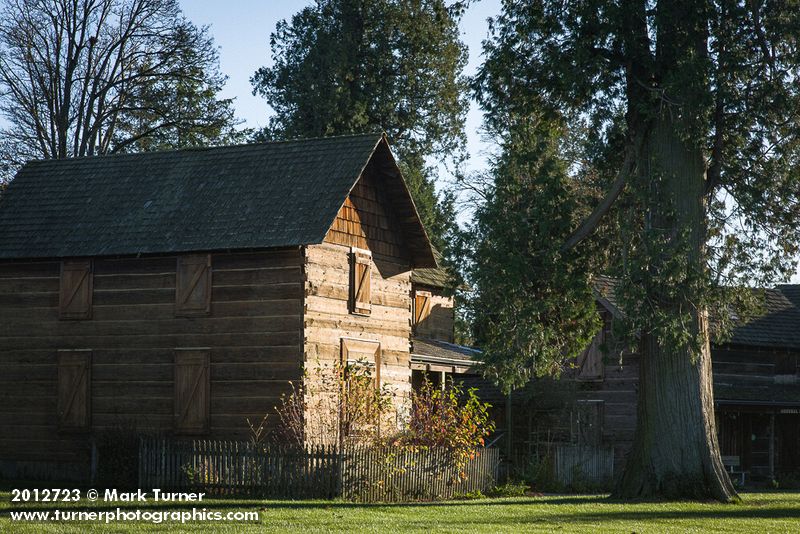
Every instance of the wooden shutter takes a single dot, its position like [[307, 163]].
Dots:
[[193, 285], [75, 293], [74, 389], [590, 362], [192, 390], [360, 285], [422, 306], [367, 352]]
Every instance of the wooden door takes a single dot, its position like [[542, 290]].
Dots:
[[590, 362]]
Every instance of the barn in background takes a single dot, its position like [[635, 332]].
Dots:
[[756, 395], [180, 292]]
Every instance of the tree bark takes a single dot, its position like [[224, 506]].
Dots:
[[675, 451]]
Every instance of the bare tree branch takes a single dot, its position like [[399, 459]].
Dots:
[[81, 77]]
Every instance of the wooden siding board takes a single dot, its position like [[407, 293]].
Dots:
[[364, 222], [254, 334], [439, 322]]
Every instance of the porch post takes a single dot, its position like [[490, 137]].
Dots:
[[509, 420], [772, 446]]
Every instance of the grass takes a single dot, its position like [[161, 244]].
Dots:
[[758, 512]]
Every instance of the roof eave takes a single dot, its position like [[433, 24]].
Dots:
[[423, 256]]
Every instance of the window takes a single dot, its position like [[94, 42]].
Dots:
[[74, 389], [192, 390], [75, 292], [590, 362], [364, 353], [422, 306], [193, 286], [360, 272]]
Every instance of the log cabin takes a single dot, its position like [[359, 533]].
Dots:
[[756, 394], [593, 405], [179, 292]]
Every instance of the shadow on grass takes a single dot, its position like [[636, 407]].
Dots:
[[729, 514]]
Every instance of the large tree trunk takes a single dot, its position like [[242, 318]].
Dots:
[[675, 451]]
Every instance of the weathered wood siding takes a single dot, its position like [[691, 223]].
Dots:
[[750, 383], [440, 321], [757, 390], [548, 410], [253, 333], [364, 222]]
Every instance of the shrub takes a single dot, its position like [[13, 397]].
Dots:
[[334, 404], [509, 489], [471, 496], [539, 472], [580, 484], [452, 418], [789, 480]]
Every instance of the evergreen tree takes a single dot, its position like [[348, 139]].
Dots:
[[695, 107], [349, 66], [531, 208]]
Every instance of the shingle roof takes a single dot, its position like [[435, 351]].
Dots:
[[238, 197], [604, 290], [444, 350], [777, 326], [434, 277]]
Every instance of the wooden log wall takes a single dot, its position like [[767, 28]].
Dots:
[[440, 322], [253, 331], [370, 225], [547, 414]]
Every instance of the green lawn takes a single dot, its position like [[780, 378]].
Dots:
[[758, 513]]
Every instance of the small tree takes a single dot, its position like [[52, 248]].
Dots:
[[452, 418], [335, 404]]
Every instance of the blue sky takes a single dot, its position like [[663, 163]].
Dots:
[[241, 29]]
